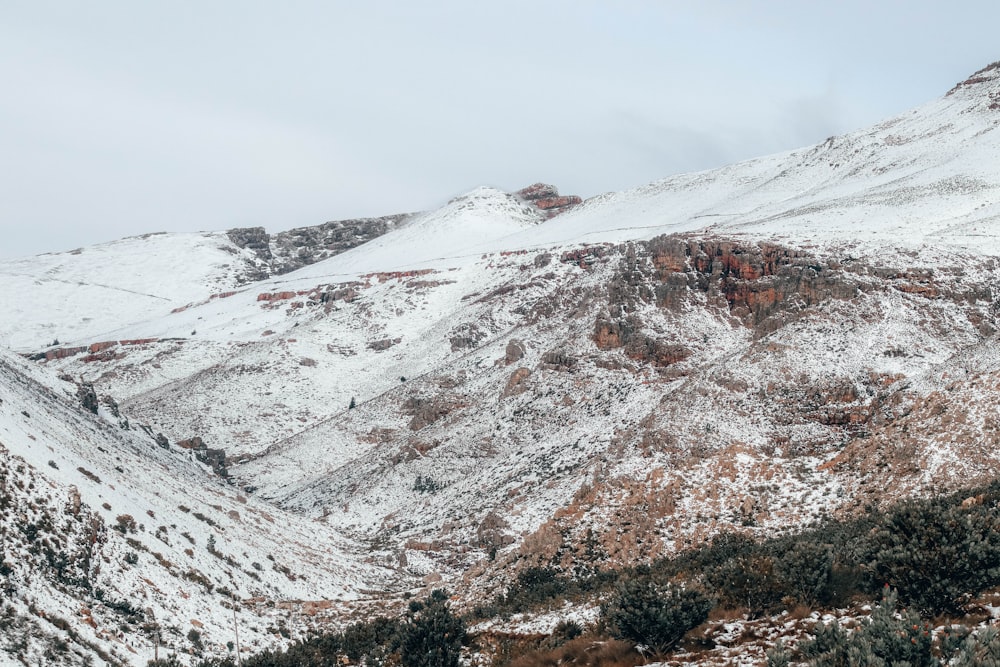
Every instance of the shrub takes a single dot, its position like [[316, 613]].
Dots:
[[565, 631], [367, 640], [747, 580], [887, 638], [804, 571], [654, 615], [431, 636], [534, 585], [979, 650], [125, 524], [936, 554]]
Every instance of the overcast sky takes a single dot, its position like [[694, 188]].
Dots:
[[120, 118]]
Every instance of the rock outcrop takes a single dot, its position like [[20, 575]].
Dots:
[[547, 199], [287, 251]]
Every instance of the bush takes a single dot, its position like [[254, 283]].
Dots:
[[937, 554], [654, 615], [749, 581], [125, 524], [887, 638], [431, 636], [979, 650], [804, 571], [366, 640]]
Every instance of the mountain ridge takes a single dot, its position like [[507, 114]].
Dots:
[[474, 391]]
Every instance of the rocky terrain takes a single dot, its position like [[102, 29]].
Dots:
[[373, 408]]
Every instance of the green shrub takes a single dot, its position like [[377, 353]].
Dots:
[[431, 636], [886, 638], [747, 580], [979, 650], [936, 554], [366, 640], [654, 615], [804, 571]]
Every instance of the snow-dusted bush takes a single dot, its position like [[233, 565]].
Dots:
[[431, 636], [887, 638], [936, 553], [654, 615]]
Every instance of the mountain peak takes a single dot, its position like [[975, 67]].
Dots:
[[983, 85]]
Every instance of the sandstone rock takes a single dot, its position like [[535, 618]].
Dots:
[[427, 410], [557, 361], [383, 344], [192, 443], [546, 198], [515, 385], [550, 203], [538, 191], [514, 352]]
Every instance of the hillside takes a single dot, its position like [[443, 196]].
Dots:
[[481, 389]]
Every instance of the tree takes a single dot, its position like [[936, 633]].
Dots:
[[431, 636], [654, 615]]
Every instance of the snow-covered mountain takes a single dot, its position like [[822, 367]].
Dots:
[[481, 387]]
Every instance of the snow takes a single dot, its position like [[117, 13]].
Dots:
[[120, 472], [436, 303], [77, 295]]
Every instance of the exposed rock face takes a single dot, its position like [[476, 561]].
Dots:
[[216, 458], [989, 74], [253, 238], [290, 250], [514, 352], [466, 336], [546, 198], [515, 385], [764, 286], [491, 532], [88, 397], [299, 247], [427, 410], [558, 361], [383, 344], [758, 281]]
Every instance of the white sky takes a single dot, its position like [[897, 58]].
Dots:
[[121, 117]]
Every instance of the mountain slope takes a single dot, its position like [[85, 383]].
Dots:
[[926, 176], [480, 390], [114, 534]]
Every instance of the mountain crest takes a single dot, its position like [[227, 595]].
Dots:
[[983, 85]]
